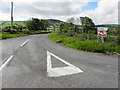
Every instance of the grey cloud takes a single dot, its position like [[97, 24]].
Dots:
[[54, 8], [43, 8], [5, 7]]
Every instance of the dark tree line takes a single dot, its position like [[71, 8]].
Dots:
[[37, 24], [31, 24], [73, 28], [15, 28], [87, 25]]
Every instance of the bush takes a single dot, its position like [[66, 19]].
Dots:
[[77, 43]]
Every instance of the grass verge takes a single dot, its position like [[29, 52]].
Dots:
[[88, 45], [6, 35]]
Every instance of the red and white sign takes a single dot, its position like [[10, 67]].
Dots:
[[102, 28], [102, 33]]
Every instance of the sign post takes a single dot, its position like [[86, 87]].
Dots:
[[102, 32], [102, 39], [97, 38]]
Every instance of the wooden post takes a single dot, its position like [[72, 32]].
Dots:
[[12, 16]]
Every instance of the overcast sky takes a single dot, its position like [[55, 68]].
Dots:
[[101, 11]]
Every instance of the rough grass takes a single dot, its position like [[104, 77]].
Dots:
[[6, 35], [88, 45]]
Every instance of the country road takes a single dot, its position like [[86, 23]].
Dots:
[[35, 59]]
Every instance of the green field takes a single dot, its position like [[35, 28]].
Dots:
[[17, 32], [8, 23], [6, 35]]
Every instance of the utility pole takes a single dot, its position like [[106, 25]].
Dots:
[[12, 16]]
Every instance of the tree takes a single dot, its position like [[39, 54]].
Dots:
[[78, 21], [61, 27], [44, 24], [87, 24], [33, 24], [118, 29], [71, 20], [36, 24]]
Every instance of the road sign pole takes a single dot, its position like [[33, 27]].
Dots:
[[102, 38], [97, 39]]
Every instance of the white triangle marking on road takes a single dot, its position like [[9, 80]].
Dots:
[[60, 71]]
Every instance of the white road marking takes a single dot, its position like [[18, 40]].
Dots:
[[118, 54], [24, 43], [8, 60], [61, 71]]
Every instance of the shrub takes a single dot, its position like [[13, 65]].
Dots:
[[79, 44]]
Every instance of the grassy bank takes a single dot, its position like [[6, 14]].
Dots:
[[6, 35], [88, 45]]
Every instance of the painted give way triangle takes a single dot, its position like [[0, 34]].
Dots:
[[60, 71]]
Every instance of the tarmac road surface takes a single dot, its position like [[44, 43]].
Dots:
[[36, 58]]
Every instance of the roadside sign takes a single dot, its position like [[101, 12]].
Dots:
[[102, 28], [102, 33]]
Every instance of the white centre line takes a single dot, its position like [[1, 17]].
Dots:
[[24, 43], [8, 60]]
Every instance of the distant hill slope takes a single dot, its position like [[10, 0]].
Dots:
[[7, 23], [54, 20], [108, 25]]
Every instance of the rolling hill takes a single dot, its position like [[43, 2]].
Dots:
[[108, 25], [54, 21], [7, 23]]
